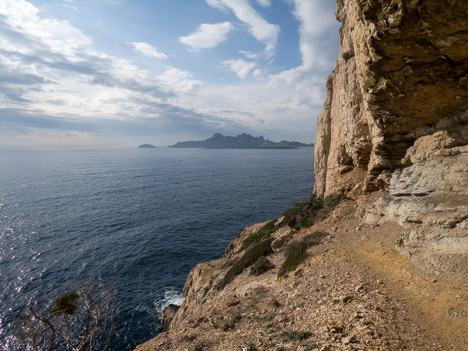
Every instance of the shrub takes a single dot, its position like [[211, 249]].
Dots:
[[253, 253], [76, 320], [260, 234], [295, 253], [305, 214], [261, 266]]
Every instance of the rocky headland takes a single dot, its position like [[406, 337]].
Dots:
[[241, 141], [384, 264]]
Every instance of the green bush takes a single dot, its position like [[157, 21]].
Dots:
[[260, 234], [252, 254], [295, 253], [261, 266], [66, 303], [305, 214]]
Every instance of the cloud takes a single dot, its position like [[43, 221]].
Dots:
[[257, 73], [264, 3], [317, 28], [207, 36], [259, 28], [148, 50], [54, 78], [240, 67], [179, 81], [249, 55]]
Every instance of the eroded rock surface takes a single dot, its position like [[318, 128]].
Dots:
[[402, 65], [396, 119]]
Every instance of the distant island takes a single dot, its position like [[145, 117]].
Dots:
[[146, 146], [242, 141]]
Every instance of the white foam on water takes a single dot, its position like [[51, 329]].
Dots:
[[172, 296]]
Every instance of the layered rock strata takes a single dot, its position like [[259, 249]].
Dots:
[[396, 119], [402, 65]]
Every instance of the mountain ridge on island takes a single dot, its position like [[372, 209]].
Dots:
[[241, 141], [146, 146]]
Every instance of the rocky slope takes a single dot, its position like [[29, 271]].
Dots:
[[354, 291], [391, 270]]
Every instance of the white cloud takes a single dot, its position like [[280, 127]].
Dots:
[[216, 4], [49, 67], [148, 50], [207, 36], [180, 81], [259, 28], [264, 3], [315, 22], [240, 67], [249, 55], [257, 73]]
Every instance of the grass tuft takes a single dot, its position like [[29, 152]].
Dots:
[[305, 214], [260, 234], [261, 266], [252, 254], [296, 252]]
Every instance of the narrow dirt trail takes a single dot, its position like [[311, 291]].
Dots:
[[438, 305], [355, 291]]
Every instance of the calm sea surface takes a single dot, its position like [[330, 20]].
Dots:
[[137, 218]]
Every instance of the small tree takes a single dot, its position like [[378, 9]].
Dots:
[[78, 320]]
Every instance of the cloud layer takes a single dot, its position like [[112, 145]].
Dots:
[[148, 50], [259, 28], [207, 35], [58, 85]]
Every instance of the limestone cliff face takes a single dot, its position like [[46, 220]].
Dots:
[[403, 65], [396, 119]]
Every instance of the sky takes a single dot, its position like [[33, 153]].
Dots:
[[127, 72]]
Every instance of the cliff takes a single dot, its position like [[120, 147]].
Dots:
[[387, 267], [402, 69], [396, 119]]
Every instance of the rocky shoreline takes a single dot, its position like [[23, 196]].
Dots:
[[389, 270], [355, 291]]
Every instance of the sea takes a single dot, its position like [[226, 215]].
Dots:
[[138, 219]]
